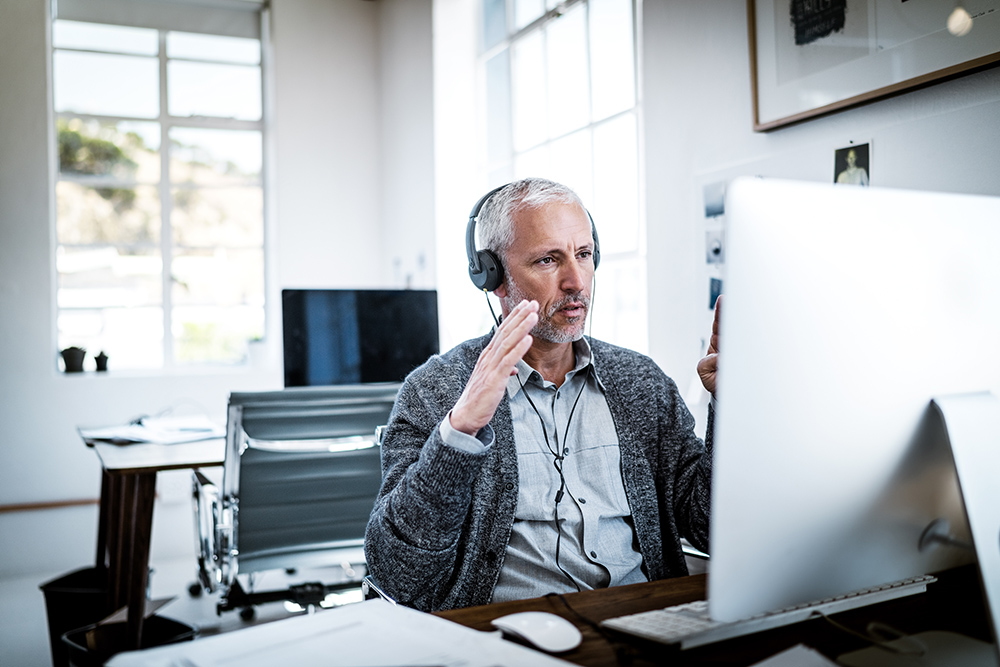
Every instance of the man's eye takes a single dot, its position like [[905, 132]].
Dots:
[[545, 260]]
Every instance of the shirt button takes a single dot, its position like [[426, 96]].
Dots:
[[593, 554], [583, 501]]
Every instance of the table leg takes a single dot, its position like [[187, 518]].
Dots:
[[103, 521], [128, 532]]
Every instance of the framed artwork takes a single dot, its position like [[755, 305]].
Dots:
[[811, 57]]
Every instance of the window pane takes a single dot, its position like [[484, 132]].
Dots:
[[612, 61], [131, 337], [124, 151], [102, 84], [571, 163], [107, 214], [494, 22], [213, 334], [568, 89], [526, 11], [106, 277], [620, 314], [231, 217], [213, 47], [616, 184], [528, 83], [97, 37], [498, 124], [213, 157], [203, 89], [218, 276], [535, 162]]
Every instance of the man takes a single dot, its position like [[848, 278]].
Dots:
[[534, 459]]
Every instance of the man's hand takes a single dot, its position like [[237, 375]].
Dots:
[[498, 361], [709, 364]]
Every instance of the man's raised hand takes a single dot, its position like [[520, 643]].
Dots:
[[498, 361], [708, 366]]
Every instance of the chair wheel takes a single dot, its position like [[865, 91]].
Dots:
[[195, 590], [248, 613]]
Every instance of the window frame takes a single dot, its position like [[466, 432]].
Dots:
[[610, 260], [165, 244]]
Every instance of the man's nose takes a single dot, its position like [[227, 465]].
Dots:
[[574, 277]]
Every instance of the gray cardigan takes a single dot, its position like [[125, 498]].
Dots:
[[438, 533]]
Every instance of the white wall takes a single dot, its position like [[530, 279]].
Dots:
[[327, 136], [407, 143], [330, 180], [698, 128]]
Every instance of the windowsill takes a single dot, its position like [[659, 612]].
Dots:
[[241, 370]]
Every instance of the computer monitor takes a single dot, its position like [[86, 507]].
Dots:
[[355, 336], [846, 310]]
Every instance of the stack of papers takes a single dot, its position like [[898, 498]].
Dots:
[[365, 634], [161, 430]]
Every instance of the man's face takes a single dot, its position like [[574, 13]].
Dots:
[[551, 261], [852, 158]]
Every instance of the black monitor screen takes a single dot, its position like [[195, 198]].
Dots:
[[356, 336]]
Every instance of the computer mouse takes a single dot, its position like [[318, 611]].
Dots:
[[545, 631]]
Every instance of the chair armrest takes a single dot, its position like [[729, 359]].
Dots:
[[371, 590]]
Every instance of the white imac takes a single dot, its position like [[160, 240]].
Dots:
[[846, 311]]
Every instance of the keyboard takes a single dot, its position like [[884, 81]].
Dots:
[[689, 624]]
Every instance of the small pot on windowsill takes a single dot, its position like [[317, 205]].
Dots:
[[73, 359], [102, 361]]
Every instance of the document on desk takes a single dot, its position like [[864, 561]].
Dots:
[[367, 634], [162, 430]]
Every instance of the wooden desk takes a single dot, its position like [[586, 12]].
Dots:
[[128, 489], [953, 603]]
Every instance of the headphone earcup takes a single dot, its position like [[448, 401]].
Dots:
[[491, 275]]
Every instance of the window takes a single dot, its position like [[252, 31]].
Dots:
[[159, 192], [561, 103]]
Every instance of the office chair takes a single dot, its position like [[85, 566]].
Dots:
[[301, 473]]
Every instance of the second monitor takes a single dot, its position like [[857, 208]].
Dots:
[[349, 336]]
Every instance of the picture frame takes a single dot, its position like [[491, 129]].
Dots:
[[811, 58]]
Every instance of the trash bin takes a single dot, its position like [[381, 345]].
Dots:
[[104, 641], [72, 601]]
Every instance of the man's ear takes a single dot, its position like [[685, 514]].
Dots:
[[501, 291]]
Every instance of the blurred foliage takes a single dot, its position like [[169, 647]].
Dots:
[[205, 342], [84, 153]]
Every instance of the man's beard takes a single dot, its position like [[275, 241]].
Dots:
[[546, 329]]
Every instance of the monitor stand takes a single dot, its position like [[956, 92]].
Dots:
[[972, 422]]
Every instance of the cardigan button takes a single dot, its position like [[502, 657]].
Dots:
[[509, 486]]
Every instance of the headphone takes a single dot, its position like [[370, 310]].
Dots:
[[485, 268]]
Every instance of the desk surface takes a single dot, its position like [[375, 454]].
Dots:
[[953, 603], [152, 457]]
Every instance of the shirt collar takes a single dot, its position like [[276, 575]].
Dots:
[[525, 373]]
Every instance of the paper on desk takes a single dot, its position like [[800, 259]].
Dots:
[[799, 655], [162, 430], [366, 634]]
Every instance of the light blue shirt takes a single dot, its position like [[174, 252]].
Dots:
[[597, 546]]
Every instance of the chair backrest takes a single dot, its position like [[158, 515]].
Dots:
[[301, 475]]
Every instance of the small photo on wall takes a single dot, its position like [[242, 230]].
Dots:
[[852, 165], [714, 195], [714, 291], [714, 248]]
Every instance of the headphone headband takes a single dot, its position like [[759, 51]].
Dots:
[[485, 268]]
